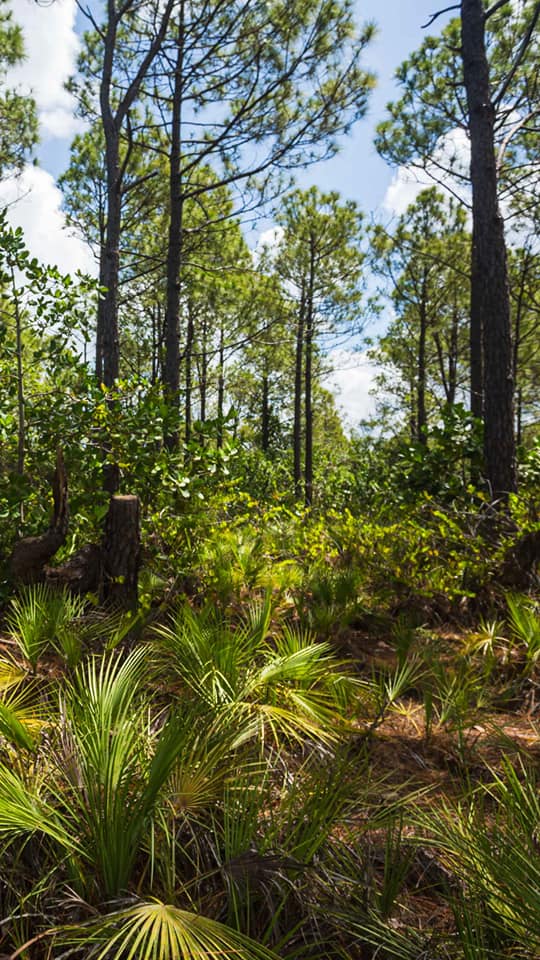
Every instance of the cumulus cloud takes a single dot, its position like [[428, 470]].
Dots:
[[452, 155], [51, 47], [34, 203], [351, 380], [267, 243]]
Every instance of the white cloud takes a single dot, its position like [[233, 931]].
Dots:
[[408, 181], [267, 244], [51, 47], [271, 237], [403, 190], [34, 203], [351, 380]]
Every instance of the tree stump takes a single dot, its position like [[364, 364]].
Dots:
[[30, 555], [121, 552]]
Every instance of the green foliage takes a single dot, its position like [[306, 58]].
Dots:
[[269, 682], [489, 845], [41, 618], [433, 105], [181, 935], [18, 131]]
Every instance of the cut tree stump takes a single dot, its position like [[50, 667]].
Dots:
[[30, 555], [121, 550]]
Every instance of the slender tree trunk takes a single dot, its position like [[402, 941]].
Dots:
[[265, 422], [221, 386], [297, 428], [189, 375], [21, 418], [171, 371], [203, 376], [107, 346], [476, 351], [308, 459], [155, 321], [453, 358], [114, 114], [518, 316], [421, 415], [519, 415], [490, 299]]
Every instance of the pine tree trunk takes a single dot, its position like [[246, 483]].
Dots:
[[490, 299], [421, 415], [308, 400], [203, 373], [171, 371], [297, 428], [189, 375], [221, 387], [107, 346], [265, 423]]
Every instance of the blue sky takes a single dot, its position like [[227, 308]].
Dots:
[[357, 171], [51, 34]]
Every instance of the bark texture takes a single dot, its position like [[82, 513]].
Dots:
[[490, 298], [81, 574], [171, 366], [30, 555], [121, 549]]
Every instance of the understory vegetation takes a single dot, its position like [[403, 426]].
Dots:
[[316, 737], [269, 683]]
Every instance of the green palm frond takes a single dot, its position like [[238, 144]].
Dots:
[[494, 852], [24, 811], [11, 674], [120, 765], [14, 728], [41, 617], [161, 931], [525, 625], [266, 681]]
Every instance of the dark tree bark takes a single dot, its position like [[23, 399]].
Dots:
[[121, 553], [421, 415], [30, 555], [81, 574], [490, 299], [203, 371], [221, 387], [189, 374], [171, 367], [114, 114], [297, 427], [107, 351], [265, 422], [308, 399]]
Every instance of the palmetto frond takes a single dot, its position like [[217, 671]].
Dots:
[[160, 931], [264, 680]]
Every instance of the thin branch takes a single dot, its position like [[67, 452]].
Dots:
[[496, 6], [434, 16], [519, 56], [515, 129]]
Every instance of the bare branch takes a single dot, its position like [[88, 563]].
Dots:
[[515, 129], [434, 16]]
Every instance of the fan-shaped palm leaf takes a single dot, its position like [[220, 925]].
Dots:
[[161, 931]]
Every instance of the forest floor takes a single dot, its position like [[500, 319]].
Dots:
[[440, 761]]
